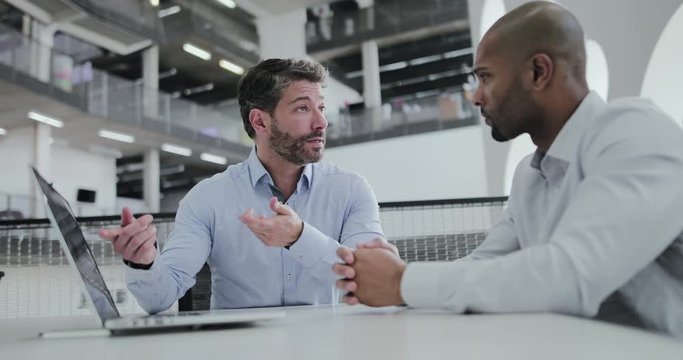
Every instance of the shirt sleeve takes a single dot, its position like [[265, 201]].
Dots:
[[500, 240], [623, 214], [175, 267], [317, 252]]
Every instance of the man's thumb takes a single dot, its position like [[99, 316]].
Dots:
[[278, 207]]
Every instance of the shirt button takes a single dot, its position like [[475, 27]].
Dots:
[[290, 276]]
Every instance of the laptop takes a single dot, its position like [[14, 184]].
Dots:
[[98, 296]]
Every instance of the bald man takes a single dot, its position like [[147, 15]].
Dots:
[[594, 220]]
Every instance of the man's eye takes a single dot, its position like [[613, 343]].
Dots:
[[302, 108]]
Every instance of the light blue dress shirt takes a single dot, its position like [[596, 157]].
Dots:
[[337, 207], [600, 213]]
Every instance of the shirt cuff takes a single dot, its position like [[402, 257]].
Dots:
[[310, 247], [151, 274], [420, 285]]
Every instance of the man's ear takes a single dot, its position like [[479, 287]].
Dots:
[[258, 119], [543, 70]]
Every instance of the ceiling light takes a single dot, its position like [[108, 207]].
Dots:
[[456, 53], [394, 66], [176, 149], [45, 119], [198, 89], [425, 59], [3, 131], [169, 11], [213, 158], [113, 135], [227, 65], [228, 3], [354, 74], [154, 3], [196, 51]]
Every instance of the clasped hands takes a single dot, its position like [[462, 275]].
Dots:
[[371, 274]]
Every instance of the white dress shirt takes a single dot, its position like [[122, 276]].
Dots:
[[601, 211]]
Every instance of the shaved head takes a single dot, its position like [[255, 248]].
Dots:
[[531, 67], [540, 27]]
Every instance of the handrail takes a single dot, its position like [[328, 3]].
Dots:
[[170, 216], [44, 222], [460, 201]]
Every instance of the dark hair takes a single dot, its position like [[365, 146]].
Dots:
[[261, 87]]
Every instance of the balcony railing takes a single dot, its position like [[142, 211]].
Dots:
[[330, 29], [114, 98], [450, 109]]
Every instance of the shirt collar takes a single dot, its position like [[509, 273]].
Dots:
[[566, 144], [257, 171]]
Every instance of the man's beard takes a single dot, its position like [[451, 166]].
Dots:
[[294, 149], [495, 131], [497, 135]]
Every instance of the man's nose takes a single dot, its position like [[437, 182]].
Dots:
[[477, 98], [320, 121]]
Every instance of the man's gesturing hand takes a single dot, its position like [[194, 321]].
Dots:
[[134, 240], [282, 229]]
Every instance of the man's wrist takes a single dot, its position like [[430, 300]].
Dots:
[[137, 266], [297, 234]]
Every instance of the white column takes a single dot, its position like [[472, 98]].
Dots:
[[42, 39], [41, 161], [372, 91], [150, 82], [282, 35], [151, 180]]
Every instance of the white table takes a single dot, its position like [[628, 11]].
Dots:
[[350, 333]]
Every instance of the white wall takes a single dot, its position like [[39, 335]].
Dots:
[[437, 165], [627, 36], [70, 169], [15, 155], [74, 169]]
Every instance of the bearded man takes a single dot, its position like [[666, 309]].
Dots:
[[268, 227]]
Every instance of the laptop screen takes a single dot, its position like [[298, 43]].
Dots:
[[79, 250]]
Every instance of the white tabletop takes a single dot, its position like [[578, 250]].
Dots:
[[350, 333]]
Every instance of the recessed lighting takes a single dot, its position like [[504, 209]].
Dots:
[[154, 3], [213, 158], [197, 51], [395, 66], [227, 65], [113, 135], [176, 149], [169, 11], [3, 131], [198, 89], [33, 115], [228, 3]]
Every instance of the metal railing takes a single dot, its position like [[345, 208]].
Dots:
[[39, 282], [114, 98], [328, 29], [446, 110]]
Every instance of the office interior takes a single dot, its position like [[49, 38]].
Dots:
[[133, 102]]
